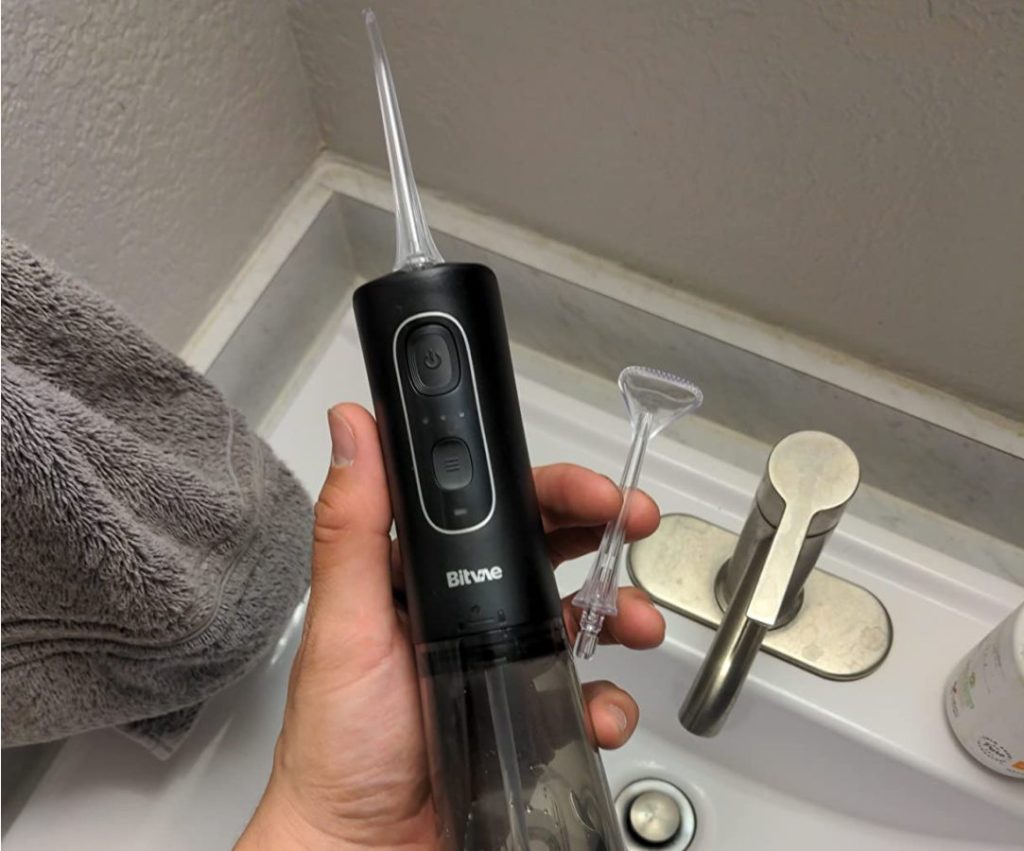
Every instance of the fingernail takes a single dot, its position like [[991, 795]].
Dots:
[[343, 439], [618, 716]]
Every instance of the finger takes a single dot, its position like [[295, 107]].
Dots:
[[574, 541], [613, 713], [566, 544], [351, 582], [571, 496], [639, 625]]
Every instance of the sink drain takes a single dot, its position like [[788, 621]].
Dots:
[[655, 814]]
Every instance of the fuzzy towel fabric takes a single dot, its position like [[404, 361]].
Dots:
[[153, 547]]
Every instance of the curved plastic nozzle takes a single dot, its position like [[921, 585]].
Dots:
[[654, 399], [414, 245]]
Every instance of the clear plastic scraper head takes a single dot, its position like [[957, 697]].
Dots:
[[661, 396], [654, 399]]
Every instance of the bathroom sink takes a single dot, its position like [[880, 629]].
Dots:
[[784, 774], [802, 762]]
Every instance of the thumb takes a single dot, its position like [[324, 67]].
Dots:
[[350, 593]]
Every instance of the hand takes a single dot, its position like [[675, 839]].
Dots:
[[350, 766]]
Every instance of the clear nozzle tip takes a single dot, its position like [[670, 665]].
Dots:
[[586, 644], [414, 245]]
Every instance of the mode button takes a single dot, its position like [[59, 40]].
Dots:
[[453, 467]]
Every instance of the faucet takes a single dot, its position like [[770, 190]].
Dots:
[[810, 478]]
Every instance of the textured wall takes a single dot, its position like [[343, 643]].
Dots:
[[146, 144], [853, 171]]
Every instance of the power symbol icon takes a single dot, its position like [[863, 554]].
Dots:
[[433, 361]]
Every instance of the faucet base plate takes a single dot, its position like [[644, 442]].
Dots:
[[842, 631]]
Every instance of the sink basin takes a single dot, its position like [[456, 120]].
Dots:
[[802, 763], [783, 774]]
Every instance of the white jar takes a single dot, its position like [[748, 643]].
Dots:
[[985, 699]]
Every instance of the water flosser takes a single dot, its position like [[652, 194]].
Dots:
[[511, 763]]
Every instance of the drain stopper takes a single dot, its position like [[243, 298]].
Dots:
[[654, 817], [655, 814]]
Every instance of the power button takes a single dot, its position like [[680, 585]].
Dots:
[[433, 360]]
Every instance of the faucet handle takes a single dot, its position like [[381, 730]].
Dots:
[[811, 476]]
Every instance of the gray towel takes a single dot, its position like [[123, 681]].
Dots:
[[153, 547]]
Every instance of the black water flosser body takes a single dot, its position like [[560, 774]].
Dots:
[[511, 764]]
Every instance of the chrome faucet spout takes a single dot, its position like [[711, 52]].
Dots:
[[810, 478]]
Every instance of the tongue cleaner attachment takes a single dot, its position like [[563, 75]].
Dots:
[[654, 399], [414, 246]]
